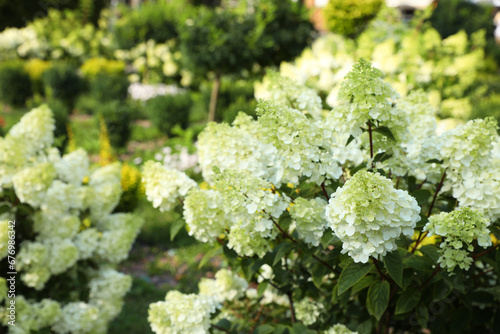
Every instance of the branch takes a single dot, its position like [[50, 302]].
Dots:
[[292, 308], [485, 252], [219, 328], [436, 193], [429, 279], [324, 191], [371, 142], [384, 276]]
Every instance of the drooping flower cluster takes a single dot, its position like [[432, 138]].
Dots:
[[71, 220], [310, 219], [164, 186], [368, 215], [459, 229], [226, 286]]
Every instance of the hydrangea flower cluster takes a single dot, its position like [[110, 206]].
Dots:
[[164, 186], [310, 219], [235, 147], [304, 147], [72, 220], [339, 329], [473, 173], [369, 215], [308, 311], [182, 314], [459, 229], [227, 286], [284, 91]]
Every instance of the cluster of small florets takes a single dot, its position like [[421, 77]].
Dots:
[[459, 229], [369, 215], [339, 329], [235, 147], [304, 148], [472, 173], [165, 186], [284, 91], [308, 311], [226, 286], [182, 314], [310, 219], [205, 215], [72, 221]]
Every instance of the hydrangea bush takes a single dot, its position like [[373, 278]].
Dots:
[[359, 219], [67, 238]]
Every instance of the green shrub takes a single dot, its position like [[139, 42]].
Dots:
[[155, 20], [15, 84], [118, 117], [107, 87], [61, 116], [350, 17], [168, 110], [62, 82], [35, 67], [87, 104]]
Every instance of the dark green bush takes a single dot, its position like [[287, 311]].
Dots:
[[107, 87], [167, 111], [61, 116], [63, 83], [350, 17], [154, 20], [15, 84], [87, 104], [118, 116]]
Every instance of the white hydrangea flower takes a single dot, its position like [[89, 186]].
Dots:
[[54, 226], [226, 286], [310, 219], [247, 242], [78, 318], [4, 238], [73, 167], [308, 311], [31, 184], [250, 200], [369, 215], [205, 214], [105, 190], [87, 242], [284, 91], [182, 314], [120, 231], [339, 329], [304, 146], [164, 186], [459, 228], [240, 146], [45, 313], [33, 263], [63, 255], [107, 290]]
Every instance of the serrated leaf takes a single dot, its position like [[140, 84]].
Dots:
[[208, 255], [408, 300], [378, 298], [281, 250], [175, 228], [351, 274], [385, 131], [394, 264]]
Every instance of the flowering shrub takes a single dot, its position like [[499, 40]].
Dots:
[[68, 241], [361, 219]]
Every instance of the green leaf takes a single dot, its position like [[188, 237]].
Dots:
[[264, 329], [394, 265], [365, 327], [209, 255], [224, 324], [408, 300], [175, 228], [422, 315], [327, 239], [378, 298], [431, 251], [362, 284], [299, 328], [351, 275], [5, 207], [422, 196], [262, 287], [419, 263], [281, 250], [351, 138], [497, 259], [318, 274], [385, 131], [382, 156]]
